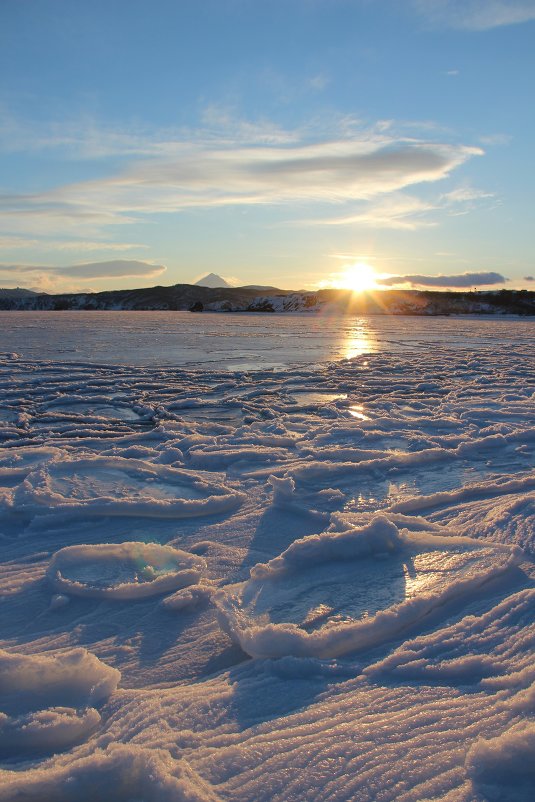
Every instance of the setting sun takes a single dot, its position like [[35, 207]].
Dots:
[[358, 277]]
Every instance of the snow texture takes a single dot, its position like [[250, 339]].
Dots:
[[250, 574]]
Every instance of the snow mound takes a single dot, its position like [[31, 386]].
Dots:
[[509, 519], [119, 486], [189, 598], [338, 592], [46, 730], [17, 463], [111, 409], [131, 570], [122, 773], [47, 699], [503, 767], [77, 677], [379, 537]]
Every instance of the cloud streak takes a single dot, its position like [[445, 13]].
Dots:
[[118, 268], [397, 211], [210, 174], [13, 243], [461, 281], [403, 212], [475, 15]]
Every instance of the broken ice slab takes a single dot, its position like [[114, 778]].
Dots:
[[131, 570], [119, 486], [339, 592]]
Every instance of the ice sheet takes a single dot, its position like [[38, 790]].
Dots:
[[355, 526]]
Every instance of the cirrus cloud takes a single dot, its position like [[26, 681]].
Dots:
[[475, 15], [206, 173]]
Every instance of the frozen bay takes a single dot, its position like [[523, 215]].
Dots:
[[240, 341], [222, 581]]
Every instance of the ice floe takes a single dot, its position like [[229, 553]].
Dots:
[[130, 570], [338, 592], [120, 486]]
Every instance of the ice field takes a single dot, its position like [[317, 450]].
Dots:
[[293, 564]]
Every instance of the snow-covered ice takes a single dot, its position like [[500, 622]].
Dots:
[[340, 592], [122, 571], [269, 584]]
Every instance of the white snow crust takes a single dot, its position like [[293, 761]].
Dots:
[[234, 583]]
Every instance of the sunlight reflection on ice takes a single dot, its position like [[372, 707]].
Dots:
[[424, 571], [356, 411], [360, 340]]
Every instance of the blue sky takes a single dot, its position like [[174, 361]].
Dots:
[[269, 142]]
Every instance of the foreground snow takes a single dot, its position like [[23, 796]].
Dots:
[[314, 584]]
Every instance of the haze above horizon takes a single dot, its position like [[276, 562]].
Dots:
[[301, 143]]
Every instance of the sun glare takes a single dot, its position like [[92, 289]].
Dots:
[[358, 277]]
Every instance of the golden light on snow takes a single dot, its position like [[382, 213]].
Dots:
[[357, 411]]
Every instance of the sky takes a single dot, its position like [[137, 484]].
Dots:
[[280, 142]]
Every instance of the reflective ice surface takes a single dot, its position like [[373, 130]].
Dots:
[[238, 341]]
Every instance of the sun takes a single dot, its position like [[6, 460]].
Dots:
[[359, 277]]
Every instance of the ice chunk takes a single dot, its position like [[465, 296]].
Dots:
[[380, 536], [188, 598], [503, 767], [337, 592], [118, 486], [59, 601], [131, 570], [39, 695], [283, 489]]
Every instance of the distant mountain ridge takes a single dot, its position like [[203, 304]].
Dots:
[[182, 297], [17, 292]]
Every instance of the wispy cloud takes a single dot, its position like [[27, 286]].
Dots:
[[398, 211], [464, 280], [84, 137], [210, 174], [319, 82], [119, 268], [13, 243], [495, 139], [466, 195], [465, 199], [403, 212], [475, 15]]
